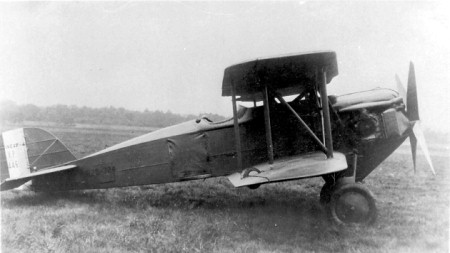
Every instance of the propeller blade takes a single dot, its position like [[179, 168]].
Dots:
[[412, 111], [417, 129], [412, 108], [401, 89], [413, 141]]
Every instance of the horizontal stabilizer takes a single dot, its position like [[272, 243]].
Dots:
[[301, 166], [12, 183], [30, 152]]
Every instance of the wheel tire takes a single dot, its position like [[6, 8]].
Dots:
[[247, 173], [254, 186], [325, 193], [352, 204]]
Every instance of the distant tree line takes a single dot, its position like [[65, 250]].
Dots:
[[69, 115]]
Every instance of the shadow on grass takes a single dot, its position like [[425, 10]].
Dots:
[[215, 194], [279, 215]]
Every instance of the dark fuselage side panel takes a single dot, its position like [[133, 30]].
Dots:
[[200, 154]]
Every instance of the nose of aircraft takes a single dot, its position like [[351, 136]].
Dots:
[[412, 112]]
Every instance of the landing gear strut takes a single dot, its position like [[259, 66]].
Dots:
[[325, 193]]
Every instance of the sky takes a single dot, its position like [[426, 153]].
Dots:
[[171, 55]]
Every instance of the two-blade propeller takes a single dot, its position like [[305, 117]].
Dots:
[[412, 112]]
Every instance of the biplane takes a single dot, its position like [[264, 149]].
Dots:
[[291, 130]]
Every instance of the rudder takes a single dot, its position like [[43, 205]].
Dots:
[[27, 150]]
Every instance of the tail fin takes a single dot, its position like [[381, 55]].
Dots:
[[27, 150]]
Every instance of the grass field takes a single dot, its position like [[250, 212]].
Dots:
[[212, 216]]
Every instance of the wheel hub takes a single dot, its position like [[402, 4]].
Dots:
[[352, 207], [352, 204]]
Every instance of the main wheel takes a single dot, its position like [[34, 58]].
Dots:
[[352, 204], [254, 186], [252, 172]]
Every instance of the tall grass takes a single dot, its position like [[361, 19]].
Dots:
[[211, 216]]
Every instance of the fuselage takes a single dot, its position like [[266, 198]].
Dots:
[[201, 149]]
